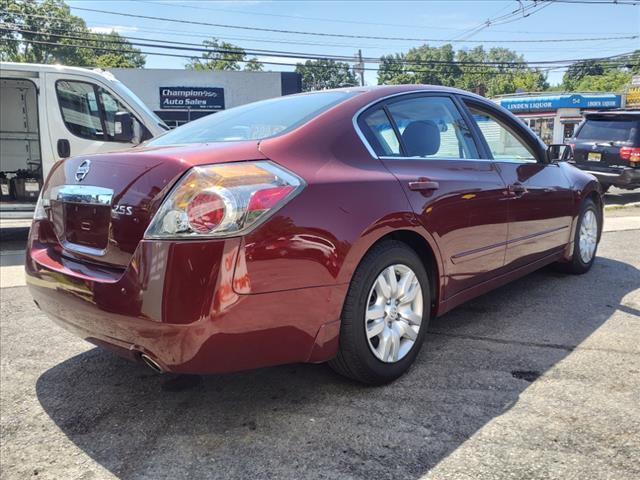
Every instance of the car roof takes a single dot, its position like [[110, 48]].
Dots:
[[614, 113]]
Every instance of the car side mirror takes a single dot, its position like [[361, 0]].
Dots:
[[123, 127], [558, 152]]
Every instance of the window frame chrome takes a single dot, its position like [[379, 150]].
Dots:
[[479, 143]]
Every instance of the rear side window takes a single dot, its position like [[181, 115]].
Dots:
[[381, 134], [428, 127], [609, 130]]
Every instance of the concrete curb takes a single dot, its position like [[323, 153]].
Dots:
[[620, 207]]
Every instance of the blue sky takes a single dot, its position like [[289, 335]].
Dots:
[[441, 20]]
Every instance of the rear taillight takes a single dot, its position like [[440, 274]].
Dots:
[[223, 200], [631, 154]]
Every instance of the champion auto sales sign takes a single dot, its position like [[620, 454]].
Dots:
[[195, 98]]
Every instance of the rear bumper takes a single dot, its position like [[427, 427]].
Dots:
[[621, 177], [176, 303]]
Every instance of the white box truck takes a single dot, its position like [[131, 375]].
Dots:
[[49, 112]]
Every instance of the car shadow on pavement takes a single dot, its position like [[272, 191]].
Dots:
[[304, 421]]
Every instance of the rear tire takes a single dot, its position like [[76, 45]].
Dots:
[[585, 241], [383, 322]]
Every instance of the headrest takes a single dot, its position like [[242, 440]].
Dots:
[[421, 138]]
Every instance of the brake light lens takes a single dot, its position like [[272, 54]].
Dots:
[[630, 153], [223, 200]]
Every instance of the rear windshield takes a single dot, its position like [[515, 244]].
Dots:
[[609, 130], [254, 121]]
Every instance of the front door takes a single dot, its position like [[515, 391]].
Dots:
[[426, 143], [540, 200], [81, 114]]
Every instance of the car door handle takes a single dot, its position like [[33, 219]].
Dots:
[[517, 189], [422, 185]]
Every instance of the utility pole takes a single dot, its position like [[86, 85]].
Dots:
[[359, 67]]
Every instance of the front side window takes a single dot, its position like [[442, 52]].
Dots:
[[503, 143], [427, 127], [80, 110], [89, 111]]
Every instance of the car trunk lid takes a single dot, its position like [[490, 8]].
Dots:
[[101, 205]]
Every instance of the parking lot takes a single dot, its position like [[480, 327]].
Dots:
[[538, 379]]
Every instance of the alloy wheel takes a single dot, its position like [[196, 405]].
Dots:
[[394, 313], [588, 238]]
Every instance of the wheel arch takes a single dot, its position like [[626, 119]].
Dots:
[[425, 247]]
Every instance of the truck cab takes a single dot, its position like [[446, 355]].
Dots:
[[50, 112]]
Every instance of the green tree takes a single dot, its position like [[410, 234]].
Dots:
[[576, 72], [435, 65], [253, 65], [323, 74], [126, 57], [414, 66], [223, 56], [612, 81], [600, 76], [49, 21]]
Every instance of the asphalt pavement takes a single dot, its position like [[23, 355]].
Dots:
[[538, 379]]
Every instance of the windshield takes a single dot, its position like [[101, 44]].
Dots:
[[609, 130], [254, 121]]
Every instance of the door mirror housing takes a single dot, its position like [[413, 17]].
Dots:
[[558, 152], [123, 127]]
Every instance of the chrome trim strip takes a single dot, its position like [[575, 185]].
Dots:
[[387, 157], [84, 194], [74, 247]]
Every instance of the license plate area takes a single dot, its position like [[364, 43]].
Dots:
[[594, 156], [87, 225], [81, 216]]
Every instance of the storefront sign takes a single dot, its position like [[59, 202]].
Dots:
[[554, 102], [195, 98], [633, 92]]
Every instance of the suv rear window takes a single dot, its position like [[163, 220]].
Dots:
[[608, 129]]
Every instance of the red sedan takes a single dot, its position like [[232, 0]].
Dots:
[[329, 226]]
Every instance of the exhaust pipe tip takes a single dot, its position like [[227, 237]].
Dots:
[[151, 363]]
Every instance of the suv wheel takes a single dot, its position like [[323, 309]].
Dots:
[[385, 316]]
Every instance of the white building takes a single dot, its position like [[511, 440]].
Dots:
[[178, 96]]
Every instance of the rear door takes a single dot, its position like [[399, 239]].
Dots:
[[425, 141], [539, 196], [81, 113]]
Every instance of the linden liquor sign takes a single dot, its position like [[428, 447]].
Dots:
[[192, 98]]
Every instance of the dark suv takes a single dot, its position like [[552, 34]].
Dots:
[[607, 145]]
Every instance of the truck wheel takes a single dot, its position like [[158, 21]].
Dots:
[[385, 315]]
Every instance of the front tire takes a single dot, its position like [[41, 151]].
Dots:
[[385, 315], [585, 242]]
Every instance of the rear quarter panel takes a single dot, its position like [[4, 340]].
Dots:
[[350, 202]]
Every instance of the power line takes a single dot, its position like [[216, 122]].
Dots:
[[254, 39], [632, 3], [344, 35], [185, 46], [407, 68]]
